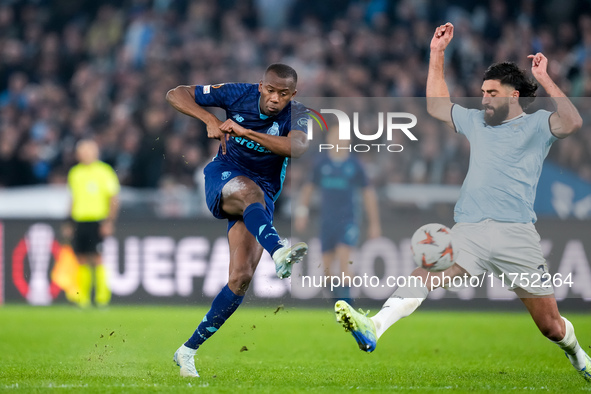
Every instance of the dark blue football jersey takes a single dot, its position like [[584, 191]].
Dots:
[[339, 183], [241, 103]]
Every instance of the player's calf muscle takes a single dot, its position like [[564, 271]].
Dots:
[[432, 284]]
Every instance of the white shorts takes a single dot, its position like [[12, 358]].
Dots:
[[511, 251]]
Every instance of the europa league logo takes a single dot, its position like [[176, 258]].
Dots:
[[39, 247]]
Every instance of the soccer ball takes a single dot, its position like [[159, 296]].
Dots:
[[432, 247]]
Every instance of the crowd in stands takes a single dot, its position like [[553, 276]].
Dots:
[[71, 69]]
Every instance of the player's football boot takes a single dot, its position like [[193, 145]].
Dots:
[[184, 357], [362, 327], [586, 371], [286, 256]]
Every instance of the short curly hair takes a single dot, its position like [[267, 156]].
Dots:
[[508, 73], [283, 71]]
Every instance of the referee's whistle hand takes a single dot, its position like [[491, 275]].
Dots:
[[67, 231], [107, 228]]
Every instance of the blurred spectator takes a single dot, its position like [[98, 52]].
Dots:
[[100, 69], [15, 93], [148, 163]]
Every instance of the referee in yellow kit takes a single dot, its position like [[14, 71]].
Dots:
[[95, 204]]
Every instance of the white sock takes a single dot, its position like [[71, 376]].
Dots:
[[571, 346], [186, 349], [403, 302]]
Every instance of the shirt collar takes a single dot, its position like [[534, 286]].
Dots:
[[512, 119], [262, 116]]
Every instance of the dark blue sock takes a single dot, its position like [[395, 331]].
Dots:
[[343, 293], [222, 307], [259, 224]]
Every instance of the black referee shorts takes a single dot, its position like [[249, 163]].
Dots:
[[87, 238]]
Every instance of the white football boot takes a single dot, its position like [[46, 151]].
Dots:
[[184, 357], [286, 256]]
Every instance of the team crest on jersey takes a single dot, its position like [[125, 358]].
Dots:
[[273, 130], [226, 175]]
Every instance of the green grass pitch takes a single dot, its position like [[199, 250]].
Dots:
[[129, 349]]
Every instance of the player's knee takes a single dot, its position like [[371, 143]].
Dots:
[[239, 281], [552, 329]]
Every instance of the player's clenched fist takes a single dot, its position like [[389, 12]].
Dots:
[[539, 65], [214, 132], [442, 37], [229, 127]]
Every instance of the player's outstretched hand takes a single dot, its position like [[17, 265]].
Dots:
[[214, 132], [539, 65], [442, 37]]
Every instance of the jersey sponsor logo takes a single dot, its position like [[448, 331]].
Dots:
[[206, 89], [238, 118], [302, 122], [249, 144], [273, 130], [226, 175]]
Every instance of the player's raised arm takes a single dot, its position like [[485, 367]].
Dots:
[[438, 102], [566, 120], [182, 98]]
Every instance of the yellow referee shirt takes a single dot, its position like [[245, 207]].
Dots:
[[92, 187]]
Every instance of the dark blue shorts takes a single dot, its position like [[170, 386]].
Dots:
[[217, 174], [333, 234]]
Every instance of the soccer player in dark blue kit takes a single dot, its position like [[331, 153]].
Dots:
[[341, 180], [264, 128]]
